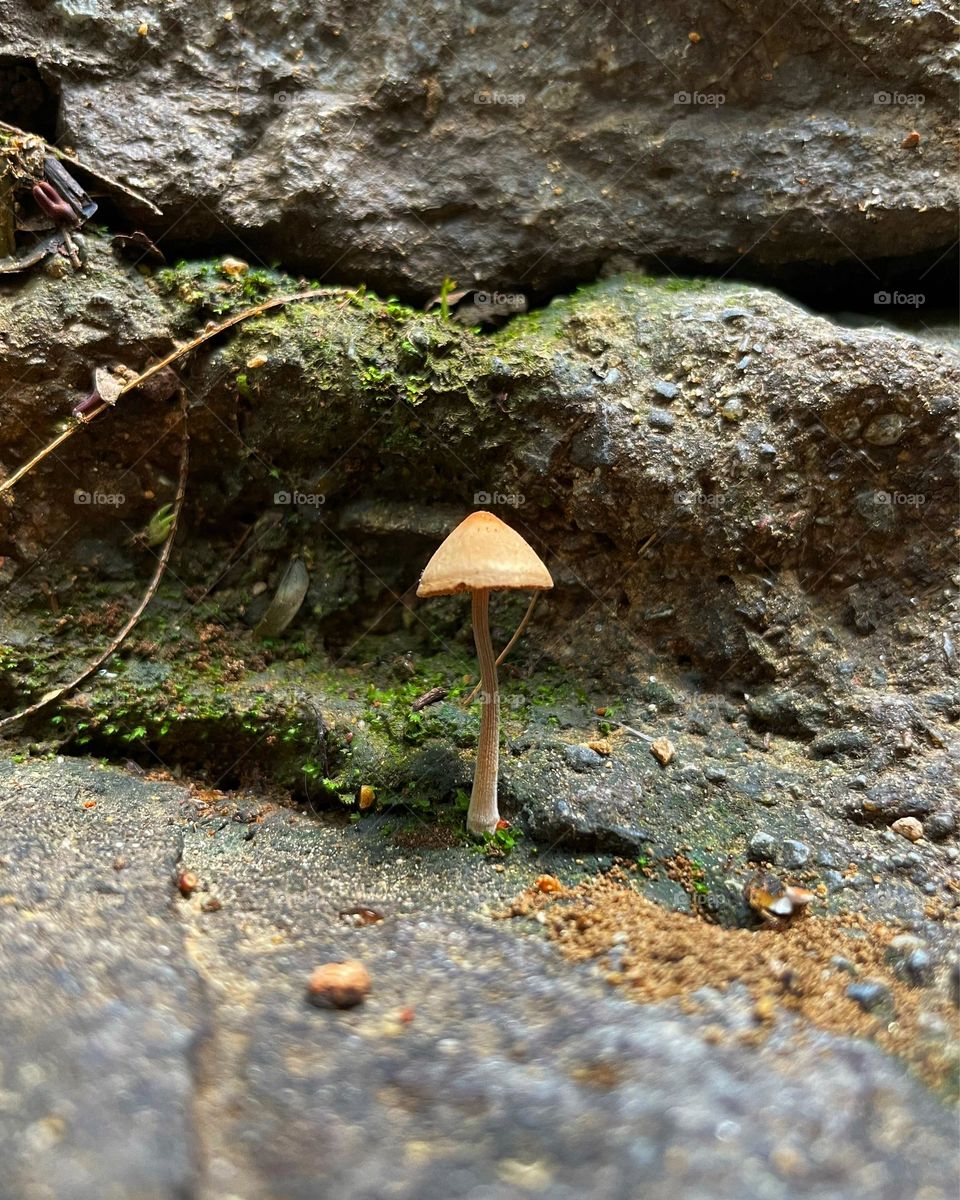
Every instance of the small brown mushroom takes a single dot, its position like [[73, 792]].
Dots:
[[480, 555]]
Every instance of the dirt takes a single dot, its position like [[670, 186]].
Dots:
[[655, 955]]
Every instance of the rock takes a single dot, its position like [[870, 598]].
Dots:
[[892, 800], [733, 410], [909, 828], [762, 847], [871, 994], [665, 390], [794, 854], [841, 743], [556, 1045], [98, 999], [885, 430], [663, 750], [582, 758], [940, 825], [339, 985], [379, 173], [660, 418]]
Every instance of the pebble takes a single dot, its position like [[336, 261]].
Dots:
[[767, 450], [909, 828], [666, 390], [870, 994], [940, 825], [762, 848], [732, 410], [715, 774], [844, 964], [339, 985], [826, 858], [234, 267], [794, 854], [582, 758], [663, 750], [885, 430], [660, 418]]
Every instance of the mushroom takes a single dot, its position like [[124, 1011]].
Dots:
[[482, 554]]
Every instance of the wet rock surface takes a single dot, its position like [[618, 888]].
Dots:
[[513, 146], [724, 586], [479, 1064]]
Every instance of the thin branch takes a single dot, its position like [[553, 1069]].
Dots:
[[162, 560], [510, 645], [207, 334]]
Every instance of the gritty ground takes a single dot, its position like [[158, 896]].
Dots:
[[481, 1064]]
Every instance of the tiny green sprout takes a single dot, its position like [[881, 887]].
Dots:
[[160, 525], [446, 288], [500, 843]]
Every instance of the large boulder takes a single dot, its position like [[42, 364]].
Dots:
[[512, 144]]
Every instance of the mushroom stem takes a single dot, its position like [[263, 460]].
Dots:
[[482, 815]]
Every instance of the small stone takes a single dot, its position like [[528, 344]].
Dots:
[[940, 825], [762, 848], [666, 390], [367, 797], [918, 967], [715, 774], [601, 746], [582, 758], [211, 905], [659, 418], [794, 854], [339, 985], [826, 858], [909, 828], [663, 750], [885, 430], [234, 267], [732, 410], [843, 964], [548, 883], [767, 450], [870, 994], [187, 883]]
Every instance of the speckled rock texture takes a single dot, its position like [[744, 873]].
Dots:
[[511, 144], [157, 1046]]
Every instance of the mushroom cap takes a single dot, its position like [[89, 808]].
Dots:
[[483, 552]]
